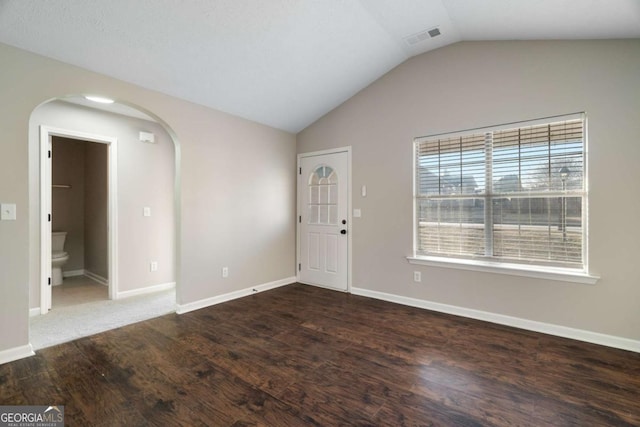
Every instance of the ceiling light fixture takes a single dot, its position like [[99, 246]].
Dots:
[[99, 99]]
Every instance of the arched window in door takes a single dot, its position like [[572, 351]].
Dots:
[[323, 196]]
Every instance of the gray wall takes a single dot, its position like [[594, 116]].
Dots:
[[96, 204], [228, 167], [475, 84]]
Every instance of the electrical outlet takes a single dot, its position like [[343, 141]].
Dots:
[[153, 266], [417, 276], [225, 272]]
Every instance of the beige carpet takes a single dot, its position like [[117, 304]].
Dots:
[[77, 314]]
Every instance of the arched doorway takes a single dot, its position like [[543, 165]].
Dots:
[[142, 201]]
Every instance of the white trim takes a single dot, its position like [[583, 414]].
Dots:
[[585, 200], [73, 273], [146, 290], [196, 305], [46, 132], [112, 219], [96, 277], [350, 219], [16, 353], [34, 312], [177, 211], [530, 325], [45, 224], [348, 150], [324, 152], [322, 286], [548, 273]]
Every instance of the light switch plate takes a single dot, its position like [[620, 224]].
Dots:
[[146, 211], [357, 213], [7, 211]]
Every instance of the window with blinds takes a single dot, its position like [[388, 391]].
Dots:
[[513, 193]]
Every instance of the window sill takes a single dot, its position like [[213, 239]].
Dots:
[[548, 273]]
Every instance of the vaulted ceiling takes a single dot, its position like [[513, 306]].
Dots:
[[284, 63]]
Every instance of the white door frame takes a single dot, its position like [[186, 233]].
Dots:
[[46, 132], [299, 209]]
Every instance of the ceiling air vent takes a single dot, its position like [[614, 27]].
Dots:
[[422, 36]]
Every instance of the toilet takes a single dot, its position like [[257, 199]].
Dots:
[[58, 256]]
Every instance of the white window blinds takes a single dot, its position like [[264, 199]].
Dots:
[[512, 194]]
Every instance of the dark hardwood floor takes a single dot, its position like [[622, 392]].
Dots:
[[300, 355]]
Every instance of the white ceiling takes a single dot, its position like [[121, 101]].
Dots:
[[284, 63]]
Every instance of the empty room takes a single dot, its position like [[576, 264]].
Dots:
[[294, 212]]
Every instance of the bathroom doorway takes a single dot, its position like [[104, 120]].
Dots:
[[79, 207], [79, 217]]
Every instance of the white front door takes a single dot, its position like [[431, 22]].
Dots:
[[323, 221]]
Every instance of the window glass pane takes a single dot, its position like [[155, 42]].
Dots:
[[314, 194], [333, 194], [314, 179], [508, 194], [452, 166], [324, 194], [542, 157], [313, 214], [451, 227], [325, 172], [333, 215], [548, 230], [324, 215]]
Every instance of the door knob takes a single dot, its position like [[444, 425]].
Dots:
[[343, 231]]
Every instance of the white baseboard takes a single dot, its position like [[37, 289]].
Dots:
[[196, 305], [93, 276], [73, 273], [96, 277], [16, 353], [147, 290], [531, 325], [34, 311]]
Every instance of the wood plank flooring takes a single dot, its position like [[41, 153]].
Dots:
[[300, 355]]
